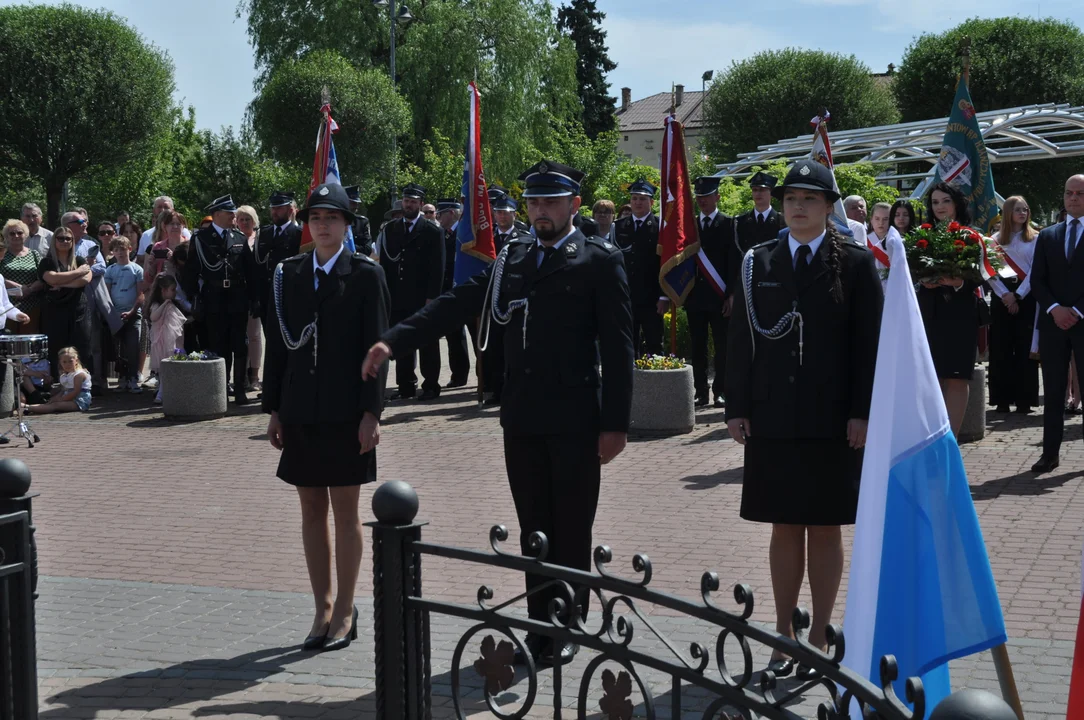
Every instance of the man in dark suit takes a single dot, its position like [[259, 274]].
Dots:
[[449, 213], [413, 260], [704, 305], [363, 235], [638, 238], [223, 261], [566, 302], [1057, 281], [506, 229], [760, 224], [496, 192], [274, 243]]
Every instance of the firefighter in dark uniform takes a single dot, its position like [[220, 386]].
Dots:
[[496, 192], [506, 229], [637, 236], [274, 243], [565, 301], [412, 256], [449, 215], [329, 306], [363, 235], [221, 274], [760, 224], [799, 382], [704, 305]]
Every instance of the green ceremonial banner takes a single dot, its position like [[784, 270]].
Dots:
[[964, 163]]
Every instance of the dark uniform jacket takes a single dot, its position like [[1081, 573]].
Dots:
[[716, 242], [501, 238], [268, 251], [749, 233], [352, 303], [228, 270], [1053, 279], [449, 258], [812, 399], [642, 262], [588, 226], [413, 264], [578, 314], [363, 235]]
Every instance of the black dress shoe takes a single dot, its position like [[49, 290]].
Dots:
[[1045, 464], [701, 400], [494, 399], [804, 672], [1023, 410], [558, 654], [781, 667], [4, 441], [1003, 409], [430, 395], [720, 401], [457, 383], [332, 644], [534, 644], [403, 395], [315, 642], [241, 399]]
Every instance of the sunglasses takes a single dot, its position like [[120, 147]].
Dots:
[[106, 232], [62, 239]]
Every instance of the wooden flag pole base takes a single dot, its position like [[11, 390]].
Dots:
[[1006, 680]]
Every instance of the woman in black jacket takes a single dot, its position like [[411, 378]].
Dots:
[[329, 307], [802, 347]]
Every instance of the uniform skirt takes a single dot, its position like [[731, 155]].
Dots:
[[951, 319], [324, 455], [800, 482]]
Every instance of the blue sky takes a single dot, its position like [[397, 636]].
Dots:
[[215, 69]]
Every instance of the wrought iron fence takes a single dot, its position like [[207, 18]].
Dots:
[[402, 628], [18, 665]]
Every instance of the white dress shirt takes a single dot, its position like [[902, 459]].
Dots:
[[1023, 254], [814, 246], [1079, 236]]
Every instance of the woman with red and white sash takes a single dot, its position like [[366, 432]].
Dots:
[[880, 230], [1014, 375]]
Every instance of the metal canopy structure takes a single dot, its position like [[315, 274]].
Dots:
[[1032, 132]]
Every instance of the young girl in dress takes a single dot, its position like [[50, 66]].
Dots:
[[74, 392], [167, 323]]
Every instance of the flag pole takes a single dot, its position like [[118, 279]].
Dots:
[[1000, 654], [478, 363]]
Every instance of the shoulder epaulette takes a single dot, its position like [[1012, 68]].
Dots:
[[295, 257], [766, 243], [363, 257], [522, 239], [602, 243]]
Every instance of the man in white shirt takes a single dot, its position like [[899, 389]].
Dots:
[[39, 239]]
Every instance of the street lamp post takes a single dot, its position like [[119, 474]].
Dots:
[[398, 13]]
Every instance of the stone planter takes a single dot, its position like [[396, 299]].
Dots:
[[974, 425], [662, 400], [193, 389]]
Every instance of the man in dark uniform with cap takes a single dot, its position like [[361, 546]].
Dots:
[[363, 235], [760, 224], [449, 212], [638, 238], [274, 243], [496, 192], [506, 229], [221, 274], [704, 305], [566, 303], [413, 260]]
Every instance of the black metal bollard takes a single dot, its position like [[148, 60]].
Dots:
[[18, 585], [400, 633], [972, 704]]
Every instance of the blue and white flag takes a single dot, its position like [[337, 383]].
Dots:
[[920, 585]]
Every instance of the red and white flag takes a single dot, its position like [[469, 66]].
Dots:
[[325, 169], [1075, 710]]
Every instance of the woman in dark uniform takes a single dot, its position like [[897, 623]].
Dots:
[[951, 312], [800, 357], [328, 307]]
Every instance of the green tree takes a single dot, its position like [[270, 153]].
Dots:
[[525, 70], [773, 94], [861, 179], [441, 169], [83, 92], [1014, 61], [582, 21], [368, 110]]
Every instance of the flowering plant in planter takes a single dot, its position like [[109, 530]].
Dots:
[[660, 362], [180, 355], [948, 250]]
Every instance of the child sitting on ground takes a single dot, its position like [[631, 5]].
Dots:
[[74, 394], [167, 323]]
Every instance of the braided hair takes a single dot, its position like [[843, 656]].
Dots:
[[835, 262]]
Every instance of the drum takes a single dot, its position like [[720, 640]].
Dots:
[[34, 347]]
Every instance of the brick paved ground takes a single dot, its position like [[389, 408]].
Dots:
[[175, 584]]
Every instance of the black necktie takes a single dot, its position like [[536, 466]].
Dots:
[[1071, 239], [547, 252], [760, 220], [801, 262], [321, 276], [704, 223], [638, 224]]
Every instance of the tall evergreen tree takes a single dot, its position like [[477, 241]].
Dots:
[[583, 23]]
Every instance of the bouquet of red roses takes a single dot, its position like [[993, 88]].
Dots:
[[948, 250]]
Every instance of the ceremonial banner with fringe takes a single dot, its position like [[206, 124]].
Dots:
[[679, 241], [325, 169], [475, 247]]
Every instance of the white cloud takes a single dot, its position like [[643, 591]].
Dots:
[[650, 55]]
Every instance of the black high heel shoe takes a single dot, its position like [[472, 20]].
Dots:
[[332, 644], [315, 642], [781, 667]]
